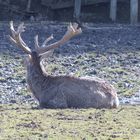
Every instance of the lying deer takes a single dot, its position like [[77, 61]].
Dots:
[[62, 91]]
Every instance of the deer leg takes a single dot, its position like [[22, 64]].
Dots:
[[55, 103], [58, 102]]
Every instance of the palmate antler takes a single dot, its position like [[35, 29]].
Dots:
[[72, 31]]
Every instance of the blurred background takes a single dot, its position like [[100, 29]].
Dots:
[[122, 11]]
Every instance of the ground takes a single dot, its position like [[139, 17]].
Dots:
[[109, 51], [18, 122]]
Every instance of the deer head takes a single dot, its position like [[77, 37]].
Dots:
[[43, 50]]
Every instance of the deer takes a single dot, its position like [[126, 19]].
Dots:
[[61, 91]]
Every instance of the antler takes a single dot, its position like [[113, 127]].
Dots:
[[72, 31], [16, 37], [47, 53], [44, 43]]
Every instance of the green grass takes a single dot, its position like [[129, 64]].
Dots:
[[23, 122]]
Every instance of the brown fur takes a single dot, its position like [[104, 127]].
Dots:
[[68, 91]]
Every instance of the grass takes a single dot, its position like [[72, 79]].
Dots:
[[24, 122]]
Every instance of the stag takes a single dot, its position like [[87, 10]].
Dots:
[[62, 91]]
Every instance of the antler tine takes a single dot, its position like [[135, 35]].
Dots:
[[73, 29], [36, 42], [47, 40], [22, 42], [48, 53], [12, 29], [21, 28], [44, 43], [16, 37]]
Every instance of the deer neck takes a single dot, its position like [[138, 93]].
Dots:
[[36, 63], [35, 76], [34, 71]]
